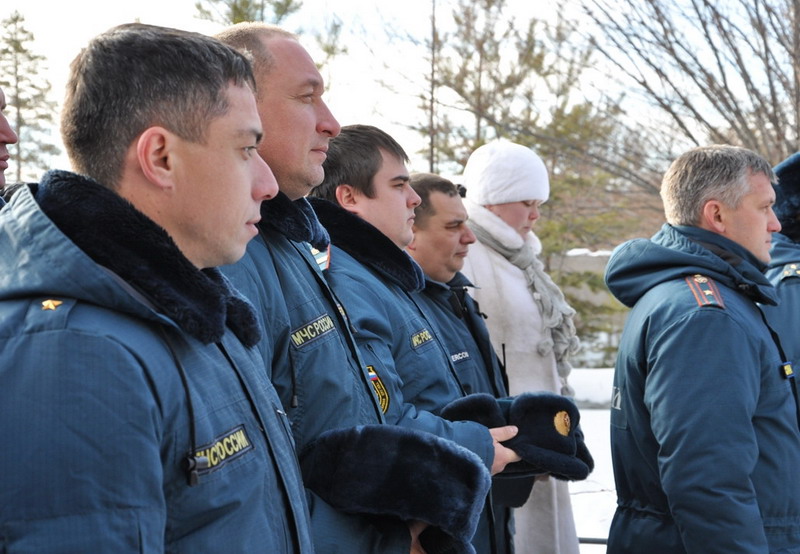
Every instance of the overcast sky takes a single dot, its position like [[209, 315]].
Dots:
[[61, 29], [355, 90]]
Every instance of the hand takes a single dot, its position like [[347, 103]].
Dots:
[[416, 528], [502, 455]]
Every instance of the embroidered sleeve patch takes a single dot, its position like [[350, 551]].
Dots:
[[313, 330], [616, 398], [379, 387], [705, 291]]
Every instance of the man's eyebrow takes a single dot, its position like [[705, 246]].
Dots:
[[313, 82], [251, 132]]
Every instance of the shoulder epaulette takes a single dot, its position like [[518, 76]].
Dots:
[[322, 257], [790, 270], [705, 291]]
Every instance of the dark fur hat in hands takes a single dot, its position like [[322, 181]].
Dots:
[[389, 470], [513, 486], [549, 435], [787, 196], [480, 407], [549, 439]]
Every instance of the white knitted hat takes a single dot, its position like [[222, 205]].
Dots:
[[503, 171]]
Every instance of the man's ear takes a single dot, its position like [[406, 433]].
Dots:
[[712, 217], [346, 196], [154, 151]]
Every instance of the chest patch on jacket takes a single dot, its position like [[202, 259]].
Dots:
[[313, 330], [420, 337], [228, 447], [705, 291], [379, 388], [459, 356]]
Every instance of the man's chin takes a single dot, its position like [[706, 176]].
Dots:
[[296, 190]]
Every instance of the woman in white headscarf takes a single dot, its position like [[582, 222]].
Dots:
[[530, 323]]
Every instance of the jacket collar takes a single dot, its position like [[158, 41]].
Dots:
[[784, 250], [745, 272], [638, 265], [369, 246], [459, 282], [120, 238], [295, 220]]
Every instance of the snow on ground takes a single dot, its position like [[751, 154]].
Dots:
[[594, 500]]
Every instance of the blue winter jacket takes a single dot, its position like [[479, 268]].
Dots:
[[458, 321], [315, 364], [118, 359], [454, 312], [704, 433], [784, 273], [312, 357], [376, 282]]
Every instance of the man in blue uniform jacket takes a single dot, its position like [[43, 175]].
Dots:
[[784, 265], [375, 278], [325, 387], [440, 245], [367, 205], [704, 427], [132, 402]]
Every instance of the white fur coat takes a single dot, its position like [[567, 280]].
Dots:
[[544, 525]]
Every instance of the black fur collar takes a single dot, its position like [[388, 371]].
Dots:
[[119, 237], [368, 245], [295, 220]]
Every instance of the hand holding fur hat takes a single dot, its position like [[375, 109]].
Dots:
[[549, 438]]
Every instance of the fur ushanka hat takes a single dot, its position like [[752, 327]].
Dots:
[[500, 172], [549, 440], [787, 196]]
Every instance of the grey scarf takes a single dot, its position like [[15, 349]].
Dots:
[[557, 315]]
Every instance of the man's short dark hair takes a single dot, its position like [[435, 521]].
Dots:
[[354, 157], [424, 184], [136, 76]]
